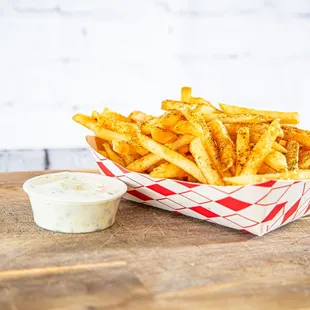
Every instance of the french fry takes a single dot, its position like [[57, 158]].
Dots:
[[168, 105], [139, 117], [124, 147], [129, 129], [198, 100], [197, 120], [186, 94], [265, 169], [162, 136], [145, 162], [168, 171], [169, 119], [259, 178], [299, 135], [254, 127], [237, 118], [242, 148], [304, 159], [276, 160], [172, 157], [191, 179], [186, 127], [184, 149], [292, 155], [225, 145], [204, 163], [103, 153], [285, 117], [261, 149], [114, 115], [255, 136], [112, 155], [95, 115]]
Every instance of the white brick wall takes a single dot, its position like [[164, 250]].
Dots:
[[63, 56]]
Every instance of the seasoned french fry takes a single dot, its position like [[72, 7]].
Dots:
[[95, 115], [162, 136], [204, 163], [242, 148], [282, 143], [184, 149], [112, 155], [139, 117], [168, 171], [172, 156], [168, 105], [225, 145], [114, 115], [198, 100], [169, 119], [191, 179], [186, 94], [186, 127], [259, 178], [299, 135], [124, 147], [285, 117], [292, 155], [145, 162], [276, 160], [304, 159], [254, 127], [198, 121], [261, 149], [237, 118], [118, 126], [255, 136], [265, 169]]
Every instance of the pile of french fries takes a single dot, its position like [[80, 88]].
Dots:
[[196, 142]]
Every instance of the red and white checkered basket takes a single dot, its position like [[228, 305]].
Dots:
[[257, 209]]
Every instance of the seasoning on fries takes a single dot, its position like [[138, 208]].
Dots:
[[195, 141]]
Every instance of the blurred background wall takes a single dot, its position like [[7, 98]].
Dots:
[[59, 57]]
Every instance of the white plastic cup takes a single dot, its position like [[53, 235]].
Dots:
[[74, 216]]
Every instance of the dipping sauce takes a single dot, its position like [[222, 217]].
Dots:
[[74, 202]]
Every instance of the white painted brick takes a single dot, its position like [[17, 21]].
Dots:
[[58, 57]]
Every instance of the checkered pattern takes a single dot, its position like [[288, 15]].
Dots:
[[257, 209]]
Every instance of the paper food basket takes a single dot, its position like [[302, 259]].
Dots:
[[257, 209]]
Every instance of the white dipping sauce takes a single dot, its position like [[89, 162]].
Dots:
[[74, 202]]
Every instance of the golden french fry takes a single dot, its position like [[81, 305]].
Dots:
[[129, 129], [196, 119], [185, 127], [169, 118], [191, 179], [95, 115], [292, 155], [285, 117], [304, 159], [255, 136], [198, 100], [265, 169], [124, 147], [171, 156], [276, 160], [103, 153], [112, 155], [204, 163], [162, 136], [168, 105], [261, 149], [254, 127], [184, 149], [242, 148], [299, 135], [186, 94], [282, 143], [139, 117], [237, 118], [259, 178], [168, 171], [114, 115], [145, 162], [225, 145]]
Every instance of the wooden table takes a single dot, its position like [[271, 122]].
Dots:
[[150, 259]]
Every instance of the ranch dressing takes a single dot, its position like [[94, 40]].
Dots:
[[74, 202]]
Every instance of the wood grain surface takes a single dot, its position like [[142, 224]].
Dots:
[[150, 259]]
